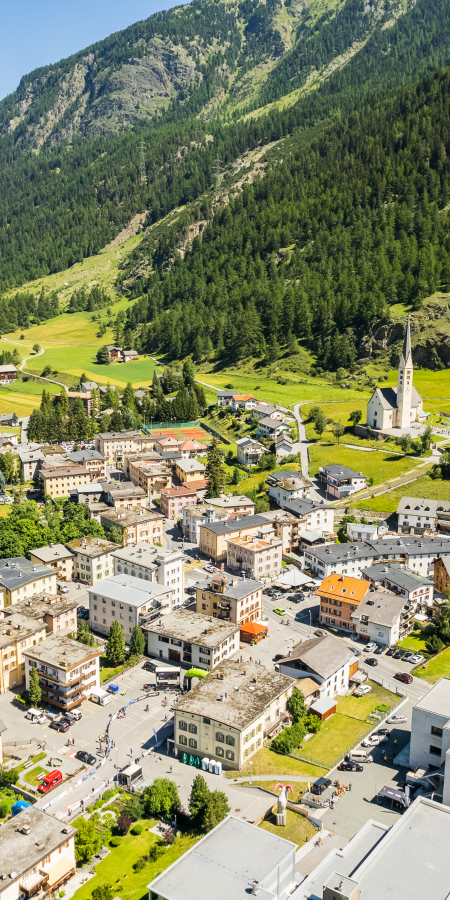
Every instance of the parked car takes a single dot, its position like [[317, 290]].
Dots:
[[62, 588], [399, 654], [373, 740], [403, 676], [190, 590], [417, 658], [321, 785], [380, 649], [372, 661], [85, 757], [384, 731], [396, 720], [355, 651], [73, 716], [370, 647], [277, 657], [50, 781], [279, 610], [37, 716], [363, 689], [347, 765], [297, 598], [60, 725], [408, 656], [391, 651], [209, 568]]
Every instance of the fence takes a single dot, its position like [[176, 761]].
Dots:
[[215, 433]]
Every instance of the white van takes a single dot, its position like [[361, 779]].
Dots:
[[62, 588], [360, 756], [37, 716]]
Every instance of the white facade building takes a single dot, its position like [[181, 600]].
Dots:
[[401, 406], [37, 855], [68, 670], [284, 487], [430, 733], [327, 660], [93, 559], [195, 516], [155, 564], [127, 600], [192, 639], [417, 553]]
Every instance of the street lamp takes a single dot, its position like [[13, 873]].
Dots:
[[251, 772]]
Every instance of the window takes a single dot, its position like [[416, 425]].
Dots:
[[219, 751], [230, 740], [182, 726], [435, 751], [182, 739], [220, 737], [436, 731], [229, 754], [206, 721], [192, 743], [192, 728]]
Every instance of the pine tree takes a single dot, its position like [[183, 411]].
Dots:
[[34, 690], [200, 794], [115, 649], [215, 470], [137, 642], [216, 810], [103, 356], [84, 634]]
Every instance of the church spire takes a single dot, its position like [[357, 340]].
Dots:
[[407, 352]]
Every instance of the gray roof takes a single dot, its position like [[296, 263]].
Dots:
[[229, 393], [42, 604], [336, 471], [269, 422], [224, 864], [301, 508], [190, 465], [324, 655], [404, 546], [85, 455], [323, 705], [437, 699], [236, 524], [230, 502], [61, 651], [276, 477], [144, 554], [122, 489], [17, 571], [408, 861], [388, 397], [418, 506], [20, 852], [400, 577], [8, 369], [119, 435], [89, 386], [194, 627], [236, 589], [124, 517], [94, 487], [382, 608], [128, 589], [258, 687], [52, 553], [92, 546]]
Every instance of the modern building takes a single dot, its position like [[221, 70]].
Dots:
[[230, 712], [136, 524], [192, 639], [20, 578], [406, 860], [128, 600], [189, 470], [287, 486], [8, 374], [249, 451], [238, 600], [58, 557], [415, 552], [93, 560], [340, 481], [326, 659], [156, 564], [340, 596], [270, 428], [214, 537], [418, 590], [255, 557], [123, 494], [17, 632], [56, 612], [383, 617], [398, 407], [195, 516], [174, 500], [37, 853], [61, 480], [430, 734], [242, 402], [232, 861], [68, 671], [416, 515]]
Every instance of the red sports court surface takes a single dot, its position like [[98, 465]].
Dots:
[[182, 433]]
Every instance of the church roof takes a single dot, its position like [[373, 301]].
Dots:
[[388, 397], [407, 352]]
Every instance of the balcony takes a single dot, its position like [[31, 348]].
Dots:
[[70, 703], [43, 672], [32, 883]]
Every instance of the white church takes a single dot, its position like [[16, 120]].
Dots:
[[401, 406]]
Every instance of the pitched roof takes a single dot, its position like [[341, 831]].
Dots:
[[420, 506], [243, 397], [324, 655], [396, 575], [388, 397], [407, 353], [381, 607], [343, 587]]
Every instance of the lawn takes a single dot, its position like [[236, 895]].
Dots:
[[362, 707], [424, 486], [253, 481], [267, 762], [78, 359], [379, 466], [299, 787], [116, 870], [285, 394], [36, 759], [21, 404], [437, 667], [336, 736], [31, 776], [336, 411], [428, 383], [416, 641], [298, 829]]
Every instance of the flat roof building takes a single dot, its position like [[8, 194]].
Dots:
[[37, 854], [68, 671], [123, 494], [137, 524], [58, 557], [57, 612], [92, 558], [192, 639], [17, 632], [157, 564]]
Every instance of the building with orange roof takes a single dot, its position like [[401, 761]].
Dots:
[[243, 401], [174, 499], [340, 596], [253, 632], [192, 449]]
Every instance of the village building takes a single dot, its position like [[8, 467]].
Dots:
[[287, 486], [192, 639], [238, 600], [175, 499], [39, 851], [249, 451], [17, 633], [417, 590], [156, 564], [399, 407], [255, 557], [20, 578], [93, 560], [127, 600], [151, 478], [415, 515], [340, 481], [214, 537], [189, 470], [340, 596], [137, 524], [68, 671], [8, 374], [59, 482], [58, 613], [58, 557], [325, 659]]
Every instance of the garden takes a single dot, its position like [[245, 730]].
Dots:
[[298, 828]]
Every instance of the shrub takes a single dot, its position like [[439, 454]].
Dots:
[[140, 864], [4, 809], [155, 852], [115, 841], [123, 823], [137, 829], [109, 793]]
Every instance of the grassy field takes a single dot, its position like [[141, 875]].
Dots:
[[379, 466], [31, 777], [416, 641], [284, 394], [297, 829], [267, 762], [299, 787], [336, 411], [253, 481], [422, 487], [428, 383], [334, 738], [116, 870], [438, 667], [362, 707], [78, 359]]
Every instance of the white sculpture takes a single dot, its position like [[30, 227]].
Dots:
[[282, 802]]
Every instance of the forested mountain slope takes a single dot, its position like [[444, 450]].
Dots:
[[197, 82]]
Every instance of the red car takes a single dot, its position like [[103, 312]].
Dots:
[[404, 676], [50, 781]]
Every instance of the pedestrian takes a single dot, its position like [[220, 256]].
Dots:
[[170, 770], [131, 752], [350, 786]]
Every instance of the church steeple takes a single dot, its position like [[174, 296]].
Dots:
[[406, 357], [404, 382]]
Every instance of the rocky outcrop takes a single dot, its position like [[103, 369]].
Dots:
[[430, 333]]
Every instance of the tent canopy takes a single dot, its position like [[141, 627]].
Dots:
[[294, 578], [253, 628]]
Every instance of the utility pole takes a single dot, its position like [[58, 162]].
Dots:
[[142, 161], [218, 175]]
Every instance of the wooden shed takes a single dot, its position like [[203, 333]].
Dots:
[[324, 708]]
